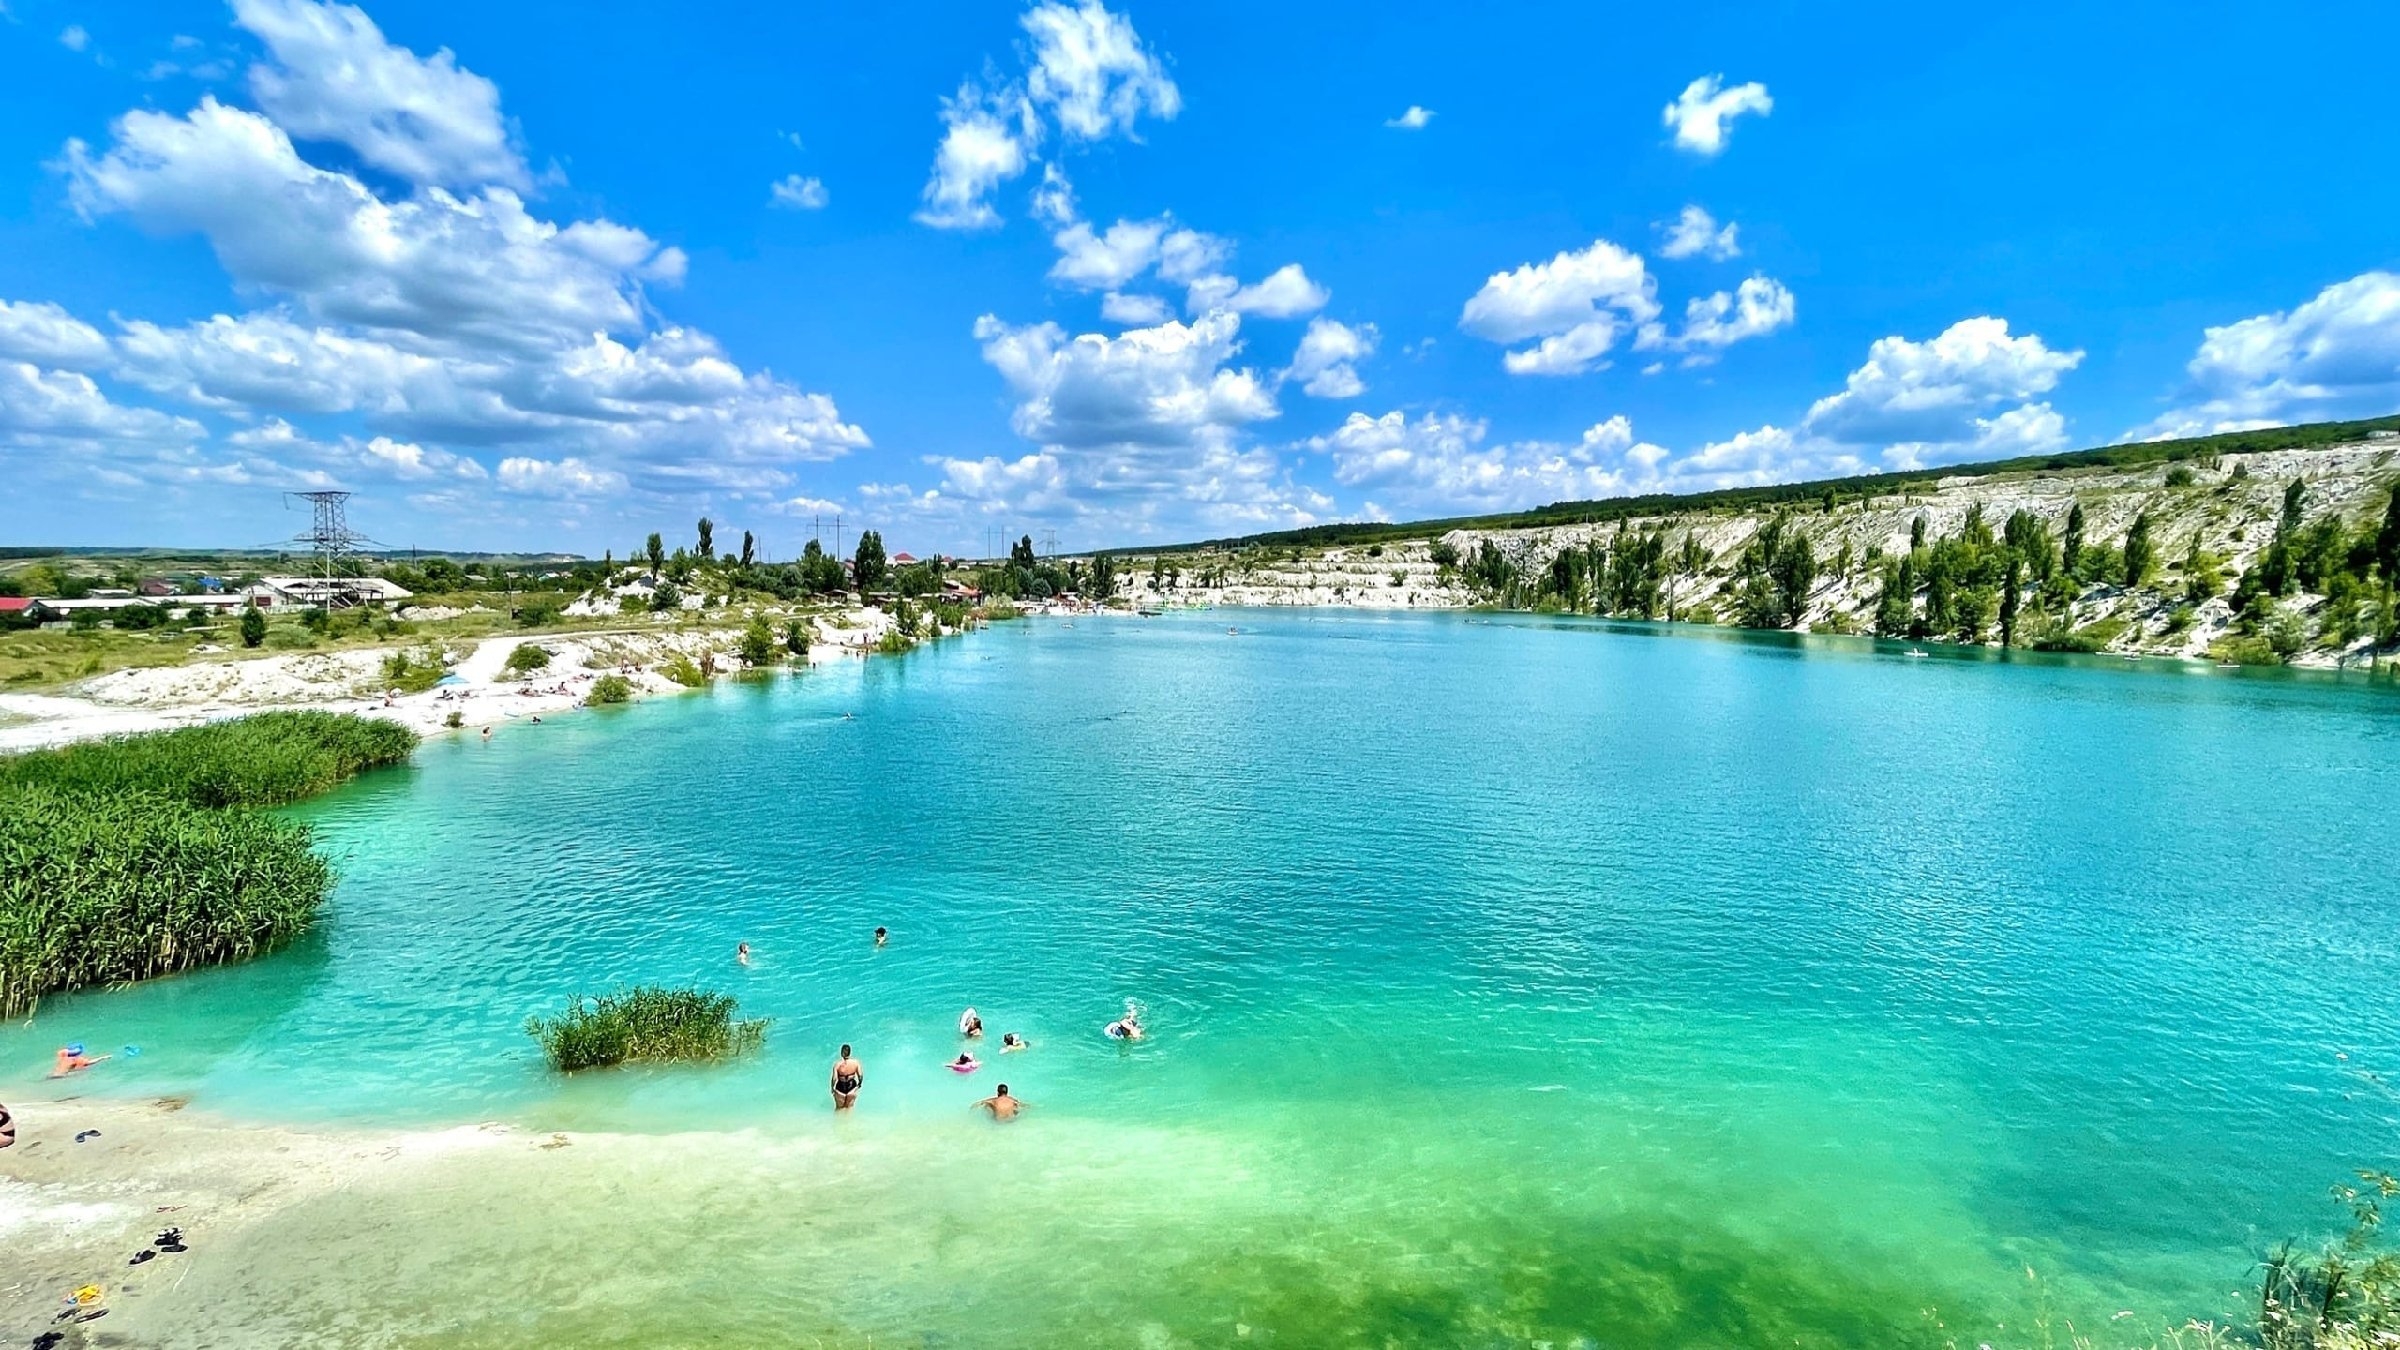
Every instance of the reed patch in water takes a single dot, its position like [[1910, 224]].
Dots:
[[645, 1024]]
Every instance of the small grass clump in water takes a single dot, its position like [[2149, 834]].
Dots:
[[648, 1023], [264, 760], [103, 889]]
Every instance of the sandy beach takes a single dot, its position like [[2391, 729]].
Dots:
[[483, 693]]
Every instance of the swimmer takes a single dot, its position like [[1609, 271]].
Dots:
[[71, 1059], [965, 1063], [1128, 1027], [8, 1128], [881, 936], [1012, 1041], [969, 1024], [487, 733], [741, 953], [848, 1077], [537, 719], [1000, 1104]]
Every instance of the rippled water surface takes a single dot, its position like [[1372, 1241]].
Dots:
[[1510, 980]]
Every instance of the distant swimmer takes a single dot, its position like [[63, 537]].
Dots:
[[487, 733], [71, 1059], [969, 1023], [965, 1063], [741, 953], [1001, 1105], [881, 936], [1012, 1041], [848, 1077], [1128, 1027]]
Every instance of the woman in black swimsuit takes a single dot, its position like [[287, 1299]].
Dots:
[[848, 1077]]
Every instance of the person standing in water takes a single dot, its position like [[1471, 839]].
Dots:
[[741, 953], [880, 935], [970, 1023], [848, 1077], [1001, 1105]]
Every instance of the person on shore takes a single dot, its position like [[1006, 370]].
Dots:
[[848, 1077], [71, 1059], [741, 953], [1012, 1041], [8, 1127], [970, 1024], [881, 936], [1001, 1105]]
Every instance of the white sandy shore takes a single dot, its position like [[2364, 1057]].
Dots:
[[350, 681]]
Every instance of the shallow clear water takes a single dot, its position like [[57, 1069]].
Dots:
[[1509, 980]]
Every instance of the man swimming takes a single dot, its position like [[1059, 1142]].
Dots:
[[741, 953], [881, 936], [848, 1077], [1001, 1105]]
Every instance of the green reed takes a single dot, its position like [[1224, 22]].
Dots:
[[648, 1023], [263, 760], [102, 889]]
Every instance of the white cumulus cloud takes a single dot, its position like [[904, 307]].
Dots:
[[798, 192], [1696, 234], [1326, 363], [334, 77], [1415, 119], [1702, 115], [1577, 304], [1093, 73], [2335, 356], [1758, 307]]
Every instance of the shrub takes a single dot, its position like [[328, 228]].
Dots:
[[455, 719], [254, 626], [680, 669], [526, 659], [758, 642], [631, 604], [645, 1024], [263, 760], [997, 610], [665, 598], [795, 637], [606, 690], [106, 887], [538, 613], [2180, 476], [413, 674], [893, 642]]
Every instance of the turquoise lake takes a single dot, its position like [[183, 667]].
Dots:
[[1510, 980]]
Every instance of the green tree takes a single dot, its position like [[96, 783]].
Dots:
[[1916, 533], [749, 551], [758, 642], [2387, 542], [254, 626], [2072, 550], [2011, 582], [708, 538], [1021, 554], [664, 597], [795, 637], [656, 549], [1896, 608], [868, 564], [1104, 576], [2138, 552]]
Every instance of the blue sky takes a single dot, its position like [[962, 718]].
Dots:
[[523, 278]]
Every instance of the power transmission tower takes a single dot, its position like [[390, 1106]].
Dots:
[[334, 543], [1049, 543]]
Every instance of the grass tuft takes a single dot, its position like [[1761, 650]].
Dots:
[[645, 1024]]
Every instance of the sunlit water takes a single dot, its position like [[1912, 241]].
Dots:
[[1510, 980]]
